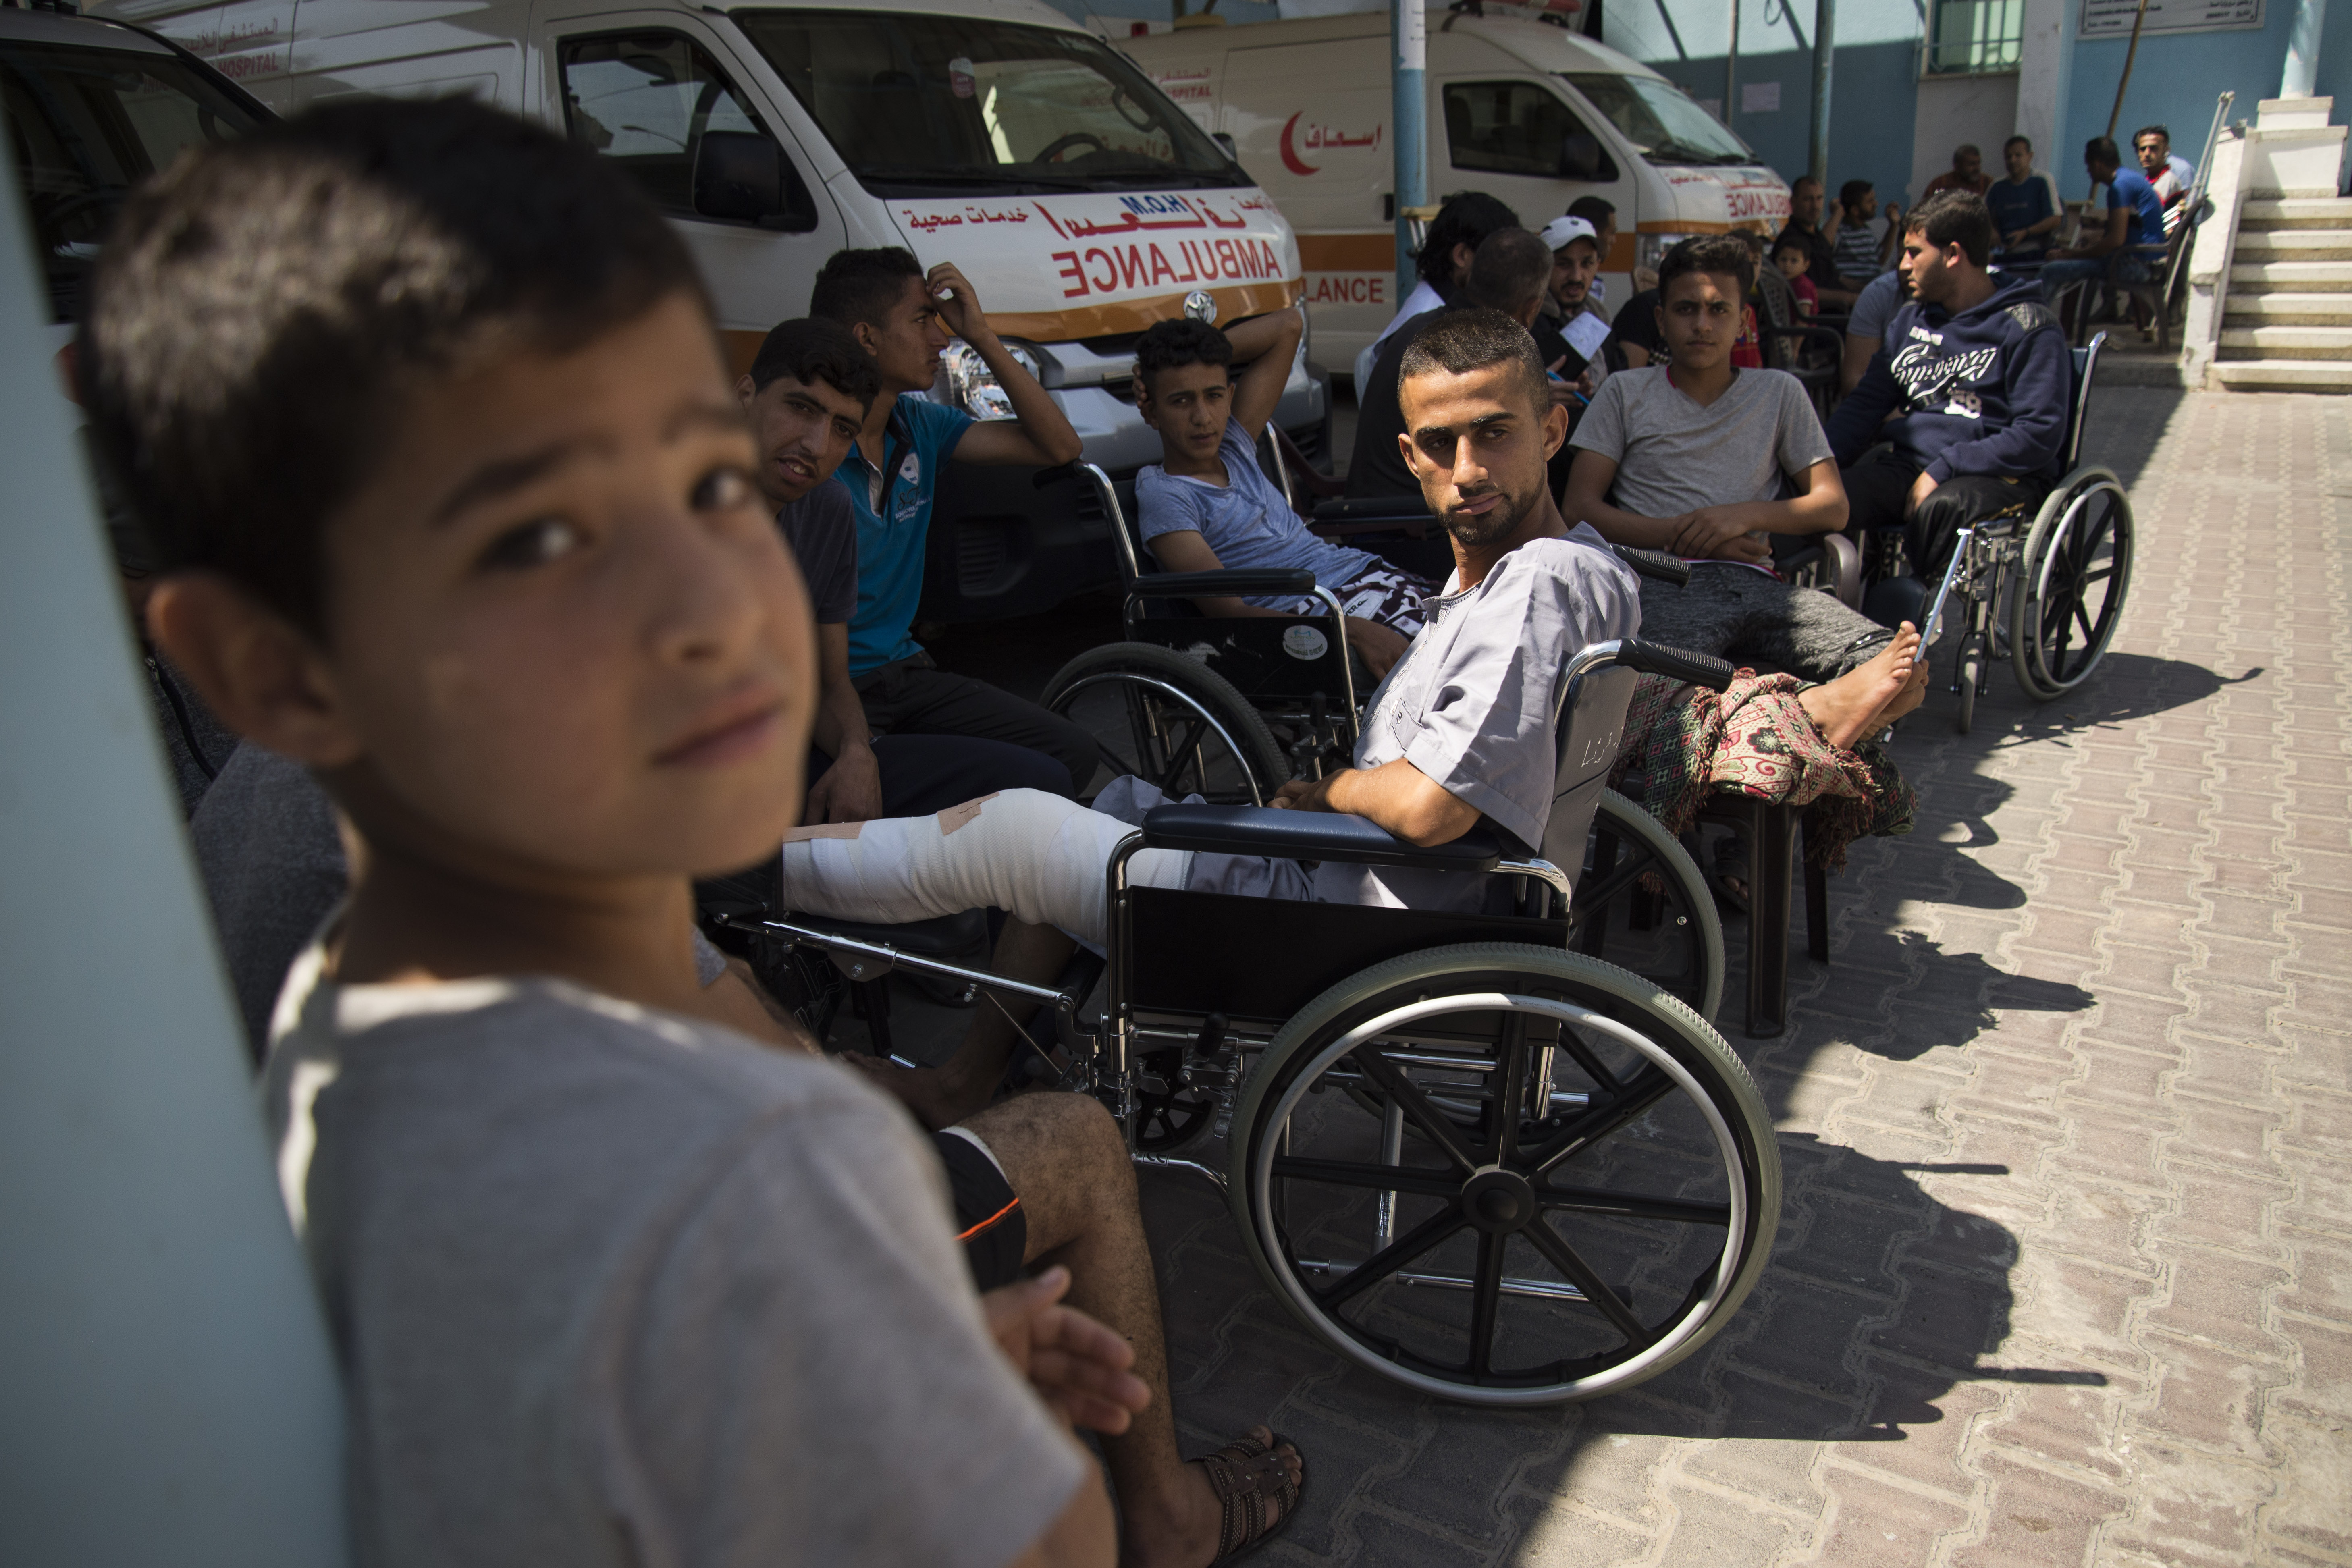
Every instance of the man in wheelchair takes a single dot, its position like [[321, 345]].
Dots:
[[1970, 391]]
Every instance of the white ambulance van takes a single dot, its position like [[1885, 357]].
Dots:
[[1521, 109], [994, 133]]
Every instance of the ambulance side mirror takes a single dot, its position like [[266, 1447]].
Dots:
[[1580, 158], [1225, 139], [743, 177]]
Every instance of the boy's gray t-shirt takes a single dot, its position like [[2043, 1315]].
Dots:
[[1674, 456], [615, 1287], [821, 530]]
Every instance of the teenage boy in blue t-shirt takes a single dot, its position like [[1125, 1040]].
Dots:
[[2128, 249], [903, 318], [2025, 206]]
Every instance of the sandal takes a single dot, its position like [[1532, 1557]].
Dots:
[[1245, 1474]]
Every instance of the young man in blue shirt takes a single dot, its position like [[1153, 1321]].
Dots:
[[2025, 206], [903, 318], [2128, 249]]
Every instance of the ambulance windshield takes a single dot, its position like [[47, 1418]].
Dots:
[[917, 105], [1660, 119]]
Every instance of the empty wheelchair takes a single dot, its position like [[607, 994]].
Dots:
[[1463, 1153], [2061, 576]]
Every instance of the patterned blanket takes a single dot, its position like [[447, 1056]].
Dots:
[[1756, 739]]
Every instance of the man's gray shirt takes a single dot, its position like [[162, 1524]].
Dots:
[[821, 530], [1674, 456], [615, 1287]]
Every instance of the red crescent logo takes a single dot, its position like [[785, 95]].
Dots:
[[1289, 158]]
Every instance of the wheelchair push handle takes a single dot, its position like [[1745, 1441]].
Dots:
[[1675, 664], [1654, 563]]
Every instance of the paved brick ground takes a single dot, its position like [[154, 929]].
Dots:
[[2065, 1270]]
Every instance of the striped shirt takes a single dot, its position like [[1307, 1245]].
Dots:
[[1857, 252]]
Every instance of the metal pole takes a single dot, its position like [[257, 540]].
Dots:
[[1409, 33], [2130, 54], [1817, 160], [2300, 79], [1731, 68], [167, 1393]]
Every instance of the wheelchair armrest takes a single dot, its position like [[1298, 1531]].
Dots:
[[1654, 563], [1364, 509], [1309, 836], [1229, 583]]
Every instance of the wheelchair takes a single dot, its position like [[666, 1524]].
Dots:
[[2065, 573], [1231, 708], [1465, 1155]]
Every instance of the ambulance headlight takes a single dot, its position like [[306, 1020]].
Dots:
[[973, 386]]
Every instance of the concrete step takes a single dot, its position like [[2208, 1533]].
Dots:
[[2308, 276], [2270, 215], [2280, 376], [2286, 342], [2296, 244], [2258, 307]]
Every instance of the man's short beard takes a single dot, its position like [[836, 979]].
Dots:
[[1485, 527]]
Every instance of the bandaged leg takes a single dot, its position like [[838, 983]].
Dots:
[[1037, 857]]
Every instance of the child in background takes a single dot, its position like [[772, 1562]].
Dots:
[[1206, 505], [425, 408], [1791, 256]]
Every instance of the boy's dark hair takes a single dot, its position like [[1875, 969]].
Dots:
[[809, 351], [1509, 272], [1466, 218], [855, 286], [1173, 344], [2152, 131], [1792, 240], [1473, 338], [1594, 210], [1850, 194], [1954, 218], [265, 307], [2102, 150], [1717, 254], [2014, 141]]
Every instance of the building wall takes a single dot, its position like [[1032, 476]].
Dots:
[[1959, 110]]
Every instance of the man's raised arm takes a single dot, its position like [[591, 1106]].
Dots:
[[1265, 346], [1039, 432]]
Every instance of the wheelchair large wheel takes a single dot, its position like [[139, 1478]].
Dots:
[[1643, 905], [1169, 721], [1592, 1189], [2071, 584]]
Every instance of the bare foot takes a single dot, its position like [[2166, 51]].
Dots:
[[1913, 692], [1855, 703], [937, 1097], [1183, 1532]]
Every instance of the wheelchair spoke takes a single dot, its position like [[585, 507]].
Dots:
[[1437, 1228], [1576, 1271], [1600, 896], [1433, 1122], [1629, 1205], [1485, 1296], [1640, 1093], [1382, 1178], [1511, 1089]]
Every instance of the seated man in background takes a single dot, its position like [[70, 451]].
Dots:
[[2026, 211], [484, 554], [1971, 390], [1864, 329], [902, 318], [807, 394], [1510, 274], [1806, 202], [2129, 246], [1206, 504], [1712, 463], [1454, 237], [1601, 213], [1570, 329], [2167, 176], [1861, 252], [1966, 173]]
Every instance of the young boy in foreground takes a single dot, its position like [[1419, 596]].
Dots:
[[426, 410]]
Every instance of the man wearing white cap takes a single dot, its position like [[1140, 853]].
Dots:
[[1567, 307]]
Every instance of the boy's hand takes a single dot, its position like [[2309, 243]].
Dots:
[[1304, 795], [1921, 488], [849, 791], [1077, 1365], [1717, 533], [1381, 646], [959, 303]]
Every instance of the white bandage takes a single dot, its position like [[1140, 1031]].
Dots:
[[1035, 856]]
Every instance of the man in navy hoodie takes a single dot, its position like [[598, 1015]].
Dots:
[[1971, 385]]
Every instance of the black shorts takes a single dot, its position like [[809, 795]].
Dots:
[[988, 1217]]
